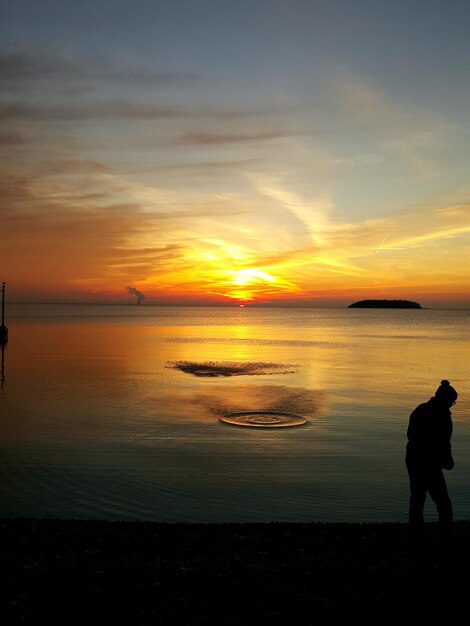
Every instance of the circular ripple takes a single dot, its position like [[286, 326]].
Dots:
[[263, 419]]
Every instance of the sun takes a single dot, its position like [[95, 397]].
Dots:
[[243, 278], [246, 285]]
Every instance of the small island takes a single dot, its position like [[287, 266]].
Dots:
[[385, 304]]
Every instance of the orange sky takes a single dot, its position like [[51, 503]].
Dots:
[[219, 253], [220, 167]]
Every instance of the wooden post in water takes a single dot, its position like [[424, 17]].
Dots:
[[3, 328]]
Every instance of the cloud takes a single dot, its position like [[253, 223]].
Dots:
[[417, 248], [208, 166], [384, 249], [211, 139], [61, 236], [58, 86], [425, 226], [182, 246], [146, 261], [409, 134], [88, 111], [102, 110], [12, 138], [62, 66], [311, 214], [74, 167]]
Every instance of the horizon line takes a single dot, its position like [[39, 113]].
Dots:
[[228, 305]]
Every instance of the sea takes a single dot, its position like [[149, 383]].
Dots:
[[120, 412]]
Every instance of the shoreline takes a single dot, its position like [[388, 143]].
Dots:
[[116, 572]]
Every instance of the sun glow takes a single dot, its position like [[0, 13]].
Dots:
[[251, 284], [251, 277], [231, 269]]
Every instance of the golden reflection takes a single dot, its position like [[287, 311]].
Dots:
[[226, 399]]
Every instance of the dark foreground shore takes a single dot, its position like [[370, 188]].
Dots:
[[146, 573]]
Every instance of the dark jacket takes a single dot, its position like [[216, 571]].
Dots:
[[429, 433]]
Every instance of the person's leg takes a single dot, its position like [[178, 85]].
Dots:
[[418, 488], [437, 488]]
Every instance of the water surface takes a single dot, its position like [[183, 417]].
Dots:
[[97, 422]]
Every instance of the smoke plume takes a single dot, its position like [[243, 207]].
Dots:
[[139, 295]]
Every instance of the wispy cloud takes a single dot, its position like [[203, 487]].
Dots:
[[12, 138], [99, 111], [62, 66], [410, 133], [311, 213], [213, 139]]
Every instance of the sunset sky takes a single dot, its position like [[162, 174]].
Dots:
[[296, 152]]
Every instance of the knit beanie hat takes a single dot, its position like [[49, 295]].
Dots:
[[446, 392]]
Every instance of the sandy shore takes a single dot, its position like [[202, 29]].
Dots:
[[146, 573]]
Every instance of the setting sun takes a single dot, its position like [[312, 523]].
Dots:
[[250, 285], [252, 277]]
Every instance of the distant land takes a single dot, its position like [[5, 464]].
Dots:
[[385, 304]]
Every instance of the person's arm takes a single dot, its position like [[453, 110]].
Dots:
[[447, 461], [412, 431]]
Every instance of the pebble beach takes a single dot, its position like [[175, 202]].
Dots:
[[99, 572]]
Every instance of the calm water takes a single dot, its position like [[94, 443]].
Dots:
[[96, 423]]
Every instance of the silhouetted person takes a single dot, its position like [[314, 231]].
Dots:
[[428, 452]]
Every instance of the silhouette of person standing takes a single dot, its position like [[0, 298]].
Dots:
[[428, 452]]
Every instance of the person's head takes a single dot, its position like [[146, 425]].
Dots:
[[446, 394]]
